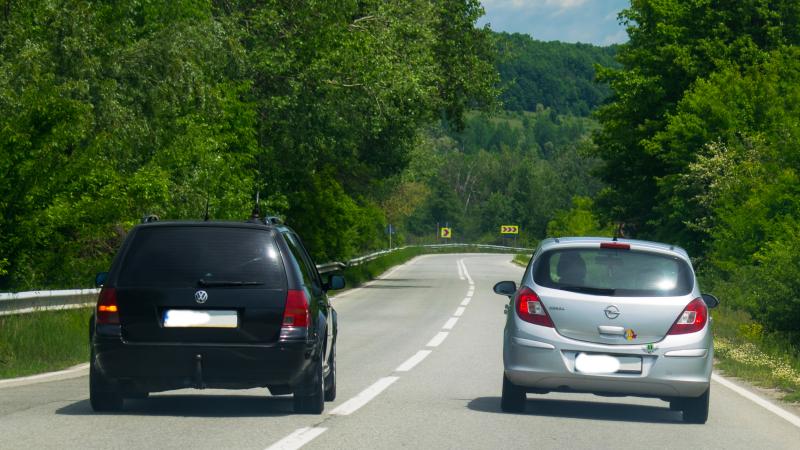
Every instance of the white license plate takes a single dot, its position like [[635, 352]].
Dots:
[[607, 364], [189, 318]]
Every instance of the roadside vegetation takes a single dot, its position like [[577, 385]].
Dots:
[[43, 341]]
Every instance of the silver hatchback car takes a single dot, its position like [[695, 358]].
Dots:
[[609, 317]]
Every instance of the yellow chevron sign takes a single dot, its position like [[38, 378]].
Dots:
[[509, 229], [447, 233]]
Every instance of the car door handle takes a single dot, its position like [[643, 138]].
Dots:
[[617, 331]]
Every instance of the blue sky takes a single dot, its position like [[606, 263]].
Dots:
[[589, 21]]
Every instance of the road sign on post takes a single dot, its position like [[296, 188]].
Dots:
[[509, 229], [446, 233]]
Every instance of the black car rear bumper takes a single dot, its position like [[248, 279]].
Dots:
[[155, 367]]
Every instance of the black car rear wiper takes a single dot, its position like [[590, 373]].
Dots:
[[588, 290], [203, 282]]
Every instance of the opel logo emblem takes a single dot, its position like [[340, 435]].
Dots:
[[201, 297], [612, 312]]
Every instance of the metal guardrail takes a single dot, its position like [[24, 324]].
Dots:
[[25, 302]]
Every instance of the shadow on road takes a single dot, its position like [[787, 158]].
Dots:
[[194, 406], [583, 410]]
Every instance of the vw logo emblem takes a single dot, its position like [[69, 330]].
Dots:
[[612, 312], [201, 296]]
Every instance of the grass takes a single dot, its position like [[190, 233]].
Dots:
[[521, 259], [743, 349], [43, 341]]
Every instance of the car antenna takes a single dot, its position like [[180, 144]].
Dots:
[[257, 209], [205, 217]]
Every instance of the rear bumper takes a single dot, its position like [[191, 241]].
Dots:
[[546, 363], [157, 367]]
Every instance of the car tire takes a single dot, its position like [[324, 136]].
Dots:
[[513, 399], [311, 398], [103, 397], [695, 410], [137, 395], [330, 382]]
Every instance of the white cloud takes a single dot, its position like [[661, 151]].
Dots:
[[616, 38], [558, 5]]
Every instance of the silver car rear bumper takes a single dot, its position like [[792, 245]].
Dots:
[[539, 358]]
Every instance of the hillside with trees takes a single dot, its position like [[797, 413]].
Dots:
[[555, 75]]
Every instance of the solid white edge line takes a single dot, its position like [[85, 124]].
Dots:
[[466, 300], [379, 277], [459, 311], [363, 397], [299, 438], [451, 322], [778, 411], [437, 340], [460, 271], [72, 372], [413, 361]]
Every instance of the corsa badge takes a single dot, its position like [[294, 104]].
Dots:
[[630, 334]]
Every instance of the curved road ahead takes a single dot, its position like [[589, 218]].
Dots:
[[419, 366]]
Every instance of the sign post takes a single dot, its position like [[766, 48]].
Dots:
[[510, 229]]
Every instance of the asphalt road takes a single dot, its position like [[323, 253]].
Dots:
[[419, 366]]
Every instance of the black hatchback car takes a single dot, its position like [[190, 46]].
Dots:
[[213, 305]]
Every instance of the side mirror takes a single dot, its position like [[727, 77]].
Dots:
[[100, 279], [335, 282], [711, 301], [507, 288]]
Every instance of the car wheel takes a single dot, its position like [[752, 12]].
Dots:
[[330, 382], [102, 395], [137, 395], [311, 397], [513, 399], [695, 410]]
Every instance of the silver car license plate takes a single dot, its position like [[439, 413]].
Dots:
[[598, 364], [190, 318]]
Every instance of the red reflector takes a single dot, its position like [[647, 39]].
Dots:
[[692, 319], [615, 245], [530, 308], [107, 309], [296, 314]]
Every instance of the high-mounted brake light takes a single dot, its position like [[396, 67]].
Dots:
[[530, 308], [692, 319], [615, 245], [107, 309], [296, 316]]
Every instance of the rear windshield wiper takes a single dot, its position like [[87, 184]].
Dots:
[[588, 290], [203, 282]]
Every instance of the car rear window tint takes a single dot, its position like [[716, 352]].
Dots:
[[181, 256], [614, 272]]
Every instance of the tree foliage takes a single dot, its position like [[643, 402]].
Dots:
[[699, 143], [113, 110]]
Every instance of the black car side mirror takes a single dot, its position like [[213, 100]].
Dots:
[[507, 288], [100, 279], [334, 283], [711, 301]]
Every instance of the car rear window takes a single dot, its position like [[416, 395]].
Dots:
[[182, 256], [614, 272]]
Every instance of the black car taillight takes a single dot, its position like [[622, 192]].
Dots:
[[107, 309], [296, 316]]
